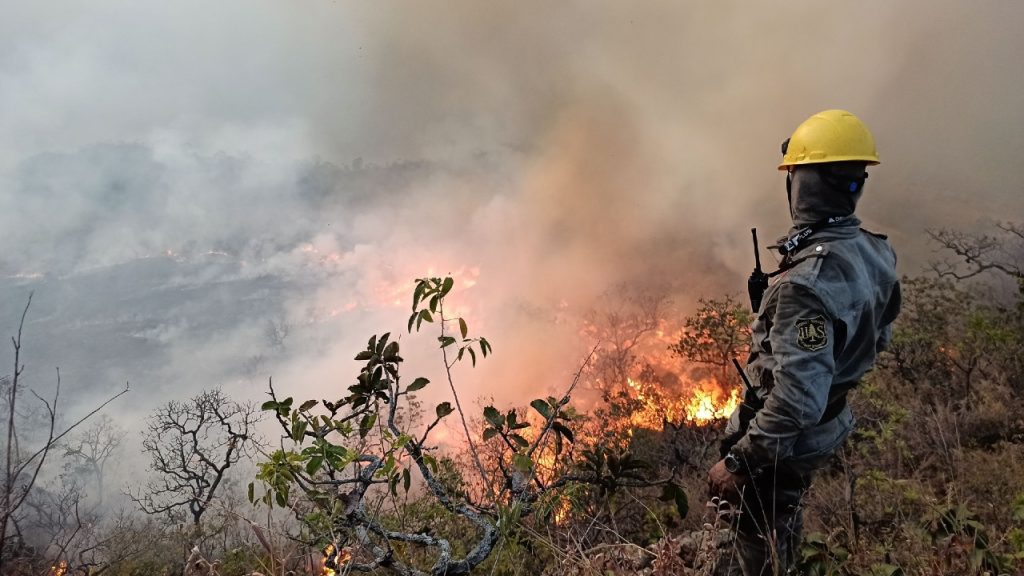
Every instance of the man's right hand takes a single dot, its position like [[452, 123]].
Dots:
[[725, 484]]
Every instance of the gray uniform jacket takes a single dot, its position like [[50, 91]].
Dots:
[[818, 331]]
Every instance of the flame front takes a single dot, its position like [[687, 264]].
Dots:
[[60, 569], [699, 404], [706, 406]]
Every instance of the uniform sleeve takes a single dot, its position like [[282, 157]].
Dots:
[[802, 340], [892, 310]]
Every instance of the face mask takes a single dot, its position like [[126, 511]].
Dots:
[[819, 192]]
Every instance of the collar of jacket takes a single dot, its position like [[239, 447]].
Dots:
[[845, 228]]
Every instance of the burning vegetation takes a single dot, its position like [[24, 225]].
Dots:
[[335, 559], [651, 374], [701, 403]]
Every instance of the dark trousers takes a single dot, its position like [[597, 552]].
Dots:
[[770, 524]]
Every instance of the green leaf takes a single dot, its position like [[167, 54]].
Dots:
[[252, 492], [367, 424], [543, 407], [307, 405], [446, 287], [269, 405], [519, 440], [563, 430], [391, 351], [417, 384], [299, 430], [489, 433], [412, 319], [372, 344], [417, 294], [282, 498], [364, 356], [401, 441], [445, 341], [463, 328], [472, 355], [485, 347], [522, 462], [431, 462], [314, 464], [443, 409], [492, 415], [674, 492], [423, 315], [406, 479]]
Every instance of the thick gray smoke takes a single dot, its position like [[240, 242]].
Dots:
[[212, 193]]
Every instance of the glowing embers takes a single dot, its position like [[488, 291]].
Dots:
[[59, 569]]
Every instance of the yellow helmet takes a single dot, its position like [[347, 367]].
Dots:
[[829, 136]]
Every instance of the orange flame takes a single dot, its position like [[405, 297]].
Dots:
[[561, 512], [700, 404], [707, 406], [334, 559], [59, 570]]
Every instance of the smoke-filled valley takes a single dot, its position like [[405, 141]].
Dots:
[[205, 197]]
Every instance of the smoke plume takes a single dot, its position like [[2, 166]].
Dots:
[[210, 194]]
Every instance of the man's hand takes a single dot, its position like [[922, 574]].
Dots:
[[725, 484]]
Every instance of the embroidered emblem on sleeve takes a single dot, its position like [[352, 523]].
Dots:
[[811, 334]]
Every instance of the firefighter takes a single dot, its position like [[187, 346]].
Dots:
[[820, 323]]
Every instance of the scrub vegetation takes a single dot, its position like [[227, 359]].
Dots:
[[931, 482]]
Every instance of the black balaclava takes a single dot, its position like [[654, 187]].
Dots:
[[821, 191]]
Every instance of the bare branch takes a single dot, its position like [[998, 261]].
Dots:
[[458, 406], [980, 252]]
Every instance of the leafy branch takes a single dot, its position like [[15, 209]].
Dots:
[[347, 456]]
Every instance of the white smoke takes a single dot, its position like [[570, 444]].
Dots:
[[208, 194]]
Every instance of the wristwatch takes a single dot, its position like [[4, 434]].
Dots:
[[733, 464]]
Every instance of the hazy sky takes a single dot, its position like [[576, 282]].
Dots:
[[179, 183]]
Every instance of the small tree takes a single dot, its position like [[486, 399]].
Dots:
[[191, 446], [718, 332], [90, 452], [621, 328]]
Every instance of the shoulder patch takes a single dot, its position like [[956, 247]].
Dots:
[[811, 334]]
